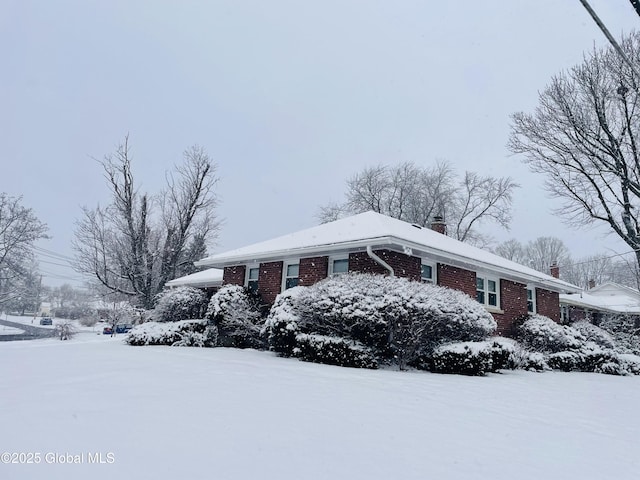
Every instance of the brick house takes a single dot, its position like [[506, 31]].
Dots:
[[608, 298], [375, 243]]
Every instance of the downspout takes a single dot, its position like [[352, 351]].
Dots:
[[379, 261]]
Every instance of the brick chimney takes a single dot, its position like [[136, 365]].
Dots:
[[592, 283], [555, 270], [438, 225]]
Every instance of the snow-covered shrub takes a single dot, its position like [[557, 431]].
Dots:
[[531, 361], [594, 334], [181, 303], [630, 364], [541, 334], [333, 351], [504, 354], [565, 361], [236, 314], [400, 320], [181, 333], [281, 327], [464, 358], [625, 330]]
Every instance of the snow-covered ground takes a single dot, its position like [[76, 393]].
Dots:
[[173, 413]]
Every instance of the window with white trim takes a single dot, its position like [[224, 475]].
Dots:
[[487, 291], [427, 272], [290, 274], [338, 265], [531, 299], [252, 279]]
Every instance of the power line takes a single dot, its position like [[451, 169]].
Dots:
[[607, 34]]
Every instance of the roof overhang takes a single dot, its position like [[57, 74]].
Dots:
[[399, 245]]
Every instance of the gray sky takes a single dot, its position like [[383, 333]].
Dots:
[[289, 97]]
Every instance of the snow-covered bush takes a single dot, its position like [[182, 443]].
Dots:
[[281, 326], [505, 354], [464, 358], [181, 303], [399, 320], [333, 351], [594, 334], [625, 330], [531, 361], [541, 334], [236, 314], [182, 333]]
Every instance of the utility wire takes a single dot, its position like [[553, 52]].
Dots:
[[607, 34]]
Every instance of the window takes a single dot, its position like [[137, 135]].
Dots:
[[252, 279], [531, 300], [291, 273], [487, 291], [338, 266], [427, 273]]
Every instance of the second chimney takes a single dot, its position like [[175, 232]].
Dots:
[[438, 225], [555, 270]]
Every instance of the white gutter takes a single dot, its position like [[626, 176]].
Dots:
[[379, 261]]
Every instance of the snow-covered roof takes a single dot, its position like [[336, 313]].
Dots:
[[608, 297], [212, 277], [380, 231]]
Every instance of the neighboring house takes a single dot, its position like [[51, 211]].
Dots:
[[608, 298], [45, 309], [209, 279], [375, 243]]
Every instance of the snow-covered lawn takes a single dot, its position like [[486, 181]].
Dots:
[[174, 413]]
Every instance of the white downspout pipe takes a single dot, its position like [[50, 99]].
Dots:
[[379, 261]]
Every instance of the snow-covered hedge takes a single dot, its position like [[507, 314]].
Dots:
[[582, 347], [184, 333], [333, 351], [625, 331], [236, 313], [181, 303], [541, 334], [594, 334], [463, 358], [399, 320]]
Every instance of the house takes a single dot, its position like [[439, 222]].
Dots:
[[608, 298], [209, 279], [375, 243]]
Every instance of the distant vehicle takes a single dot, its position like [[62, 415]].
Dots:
[[107, 331], [46, 321], [123, 328]]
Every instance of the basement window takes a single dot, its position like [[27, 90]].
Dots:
[[487, 291]]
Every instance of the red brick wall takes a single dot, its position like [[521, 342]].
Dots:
[[234, 275], [513, 301], [403, 265], [548, 304], [270, 281], [458, 279], [313, 270]]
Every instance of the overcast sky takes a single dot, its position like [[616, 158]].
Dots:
[[290, 98]]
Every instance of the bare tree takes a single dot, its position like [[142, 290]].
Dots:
[[138, 242], [19, 230], [418, 194], [583, 137], [542, 252], [512, 250], [598, 269]]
